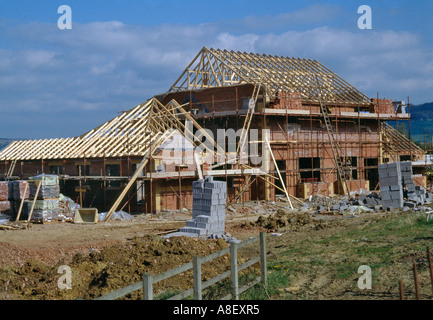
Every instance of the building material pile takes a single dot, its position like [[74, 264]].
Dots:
[[397, 191], [47, 203], [208, 211], [67, 208], [50, 204], [391, 185], [49, 189], [19, 190], [396, 184], [44, 210]]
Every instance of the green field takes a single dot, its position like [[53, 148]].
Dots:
[[325, 266]]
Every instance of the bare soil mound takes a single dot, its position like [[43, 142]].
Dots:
[[111, 268]]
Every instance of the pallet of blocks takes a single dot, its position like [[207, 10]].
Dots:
[[19, 190], [49, 186], [46, 206]]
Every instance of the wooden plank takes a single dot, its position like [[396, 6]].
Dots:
[[22, 202]]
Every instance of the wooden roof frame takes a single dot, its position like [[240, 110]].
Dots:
[[127, 135], [394, 143], [219, 68]]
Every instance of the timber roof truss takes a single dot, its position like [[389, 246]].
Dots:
[[219, 68]]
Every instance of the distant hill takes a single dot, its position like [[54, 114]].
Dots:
[[421, 121]]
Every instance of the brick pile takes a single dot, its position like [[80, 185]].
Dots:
[[47, 204], [382, 106]]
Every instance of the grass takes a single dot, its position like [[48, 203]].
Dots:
[[382, 245], [277, 278]]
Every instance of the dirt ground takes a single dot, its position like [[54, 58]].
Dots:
[[108, 256], [52, 242]]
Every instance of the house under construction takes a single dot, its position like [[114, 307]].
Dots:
[[314, 133]]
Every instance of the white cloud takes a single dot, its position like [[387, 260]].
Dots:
[[307, 16], [39, 58], [246, 42]]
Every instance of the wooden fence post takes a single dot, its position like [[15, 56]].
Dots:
[[197, 277], [234, 270], [147, 287], [263, 262]]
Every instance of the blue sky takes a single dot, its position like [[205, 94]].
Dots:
[[62, 83]]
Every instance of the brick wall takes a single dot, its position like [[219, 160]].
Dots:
[[289, 100], [382, 106]]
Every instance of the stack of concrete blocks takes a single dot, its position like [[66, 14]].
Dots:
[[208, 210], [411, 189], [391, 185], [419, 196], [396, 183], [414, 194]]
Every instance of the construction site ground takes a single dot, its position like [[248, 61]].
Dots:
[[310, 256]]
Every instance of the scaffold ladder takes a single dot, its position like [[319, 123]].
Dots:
[[335, 146]]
